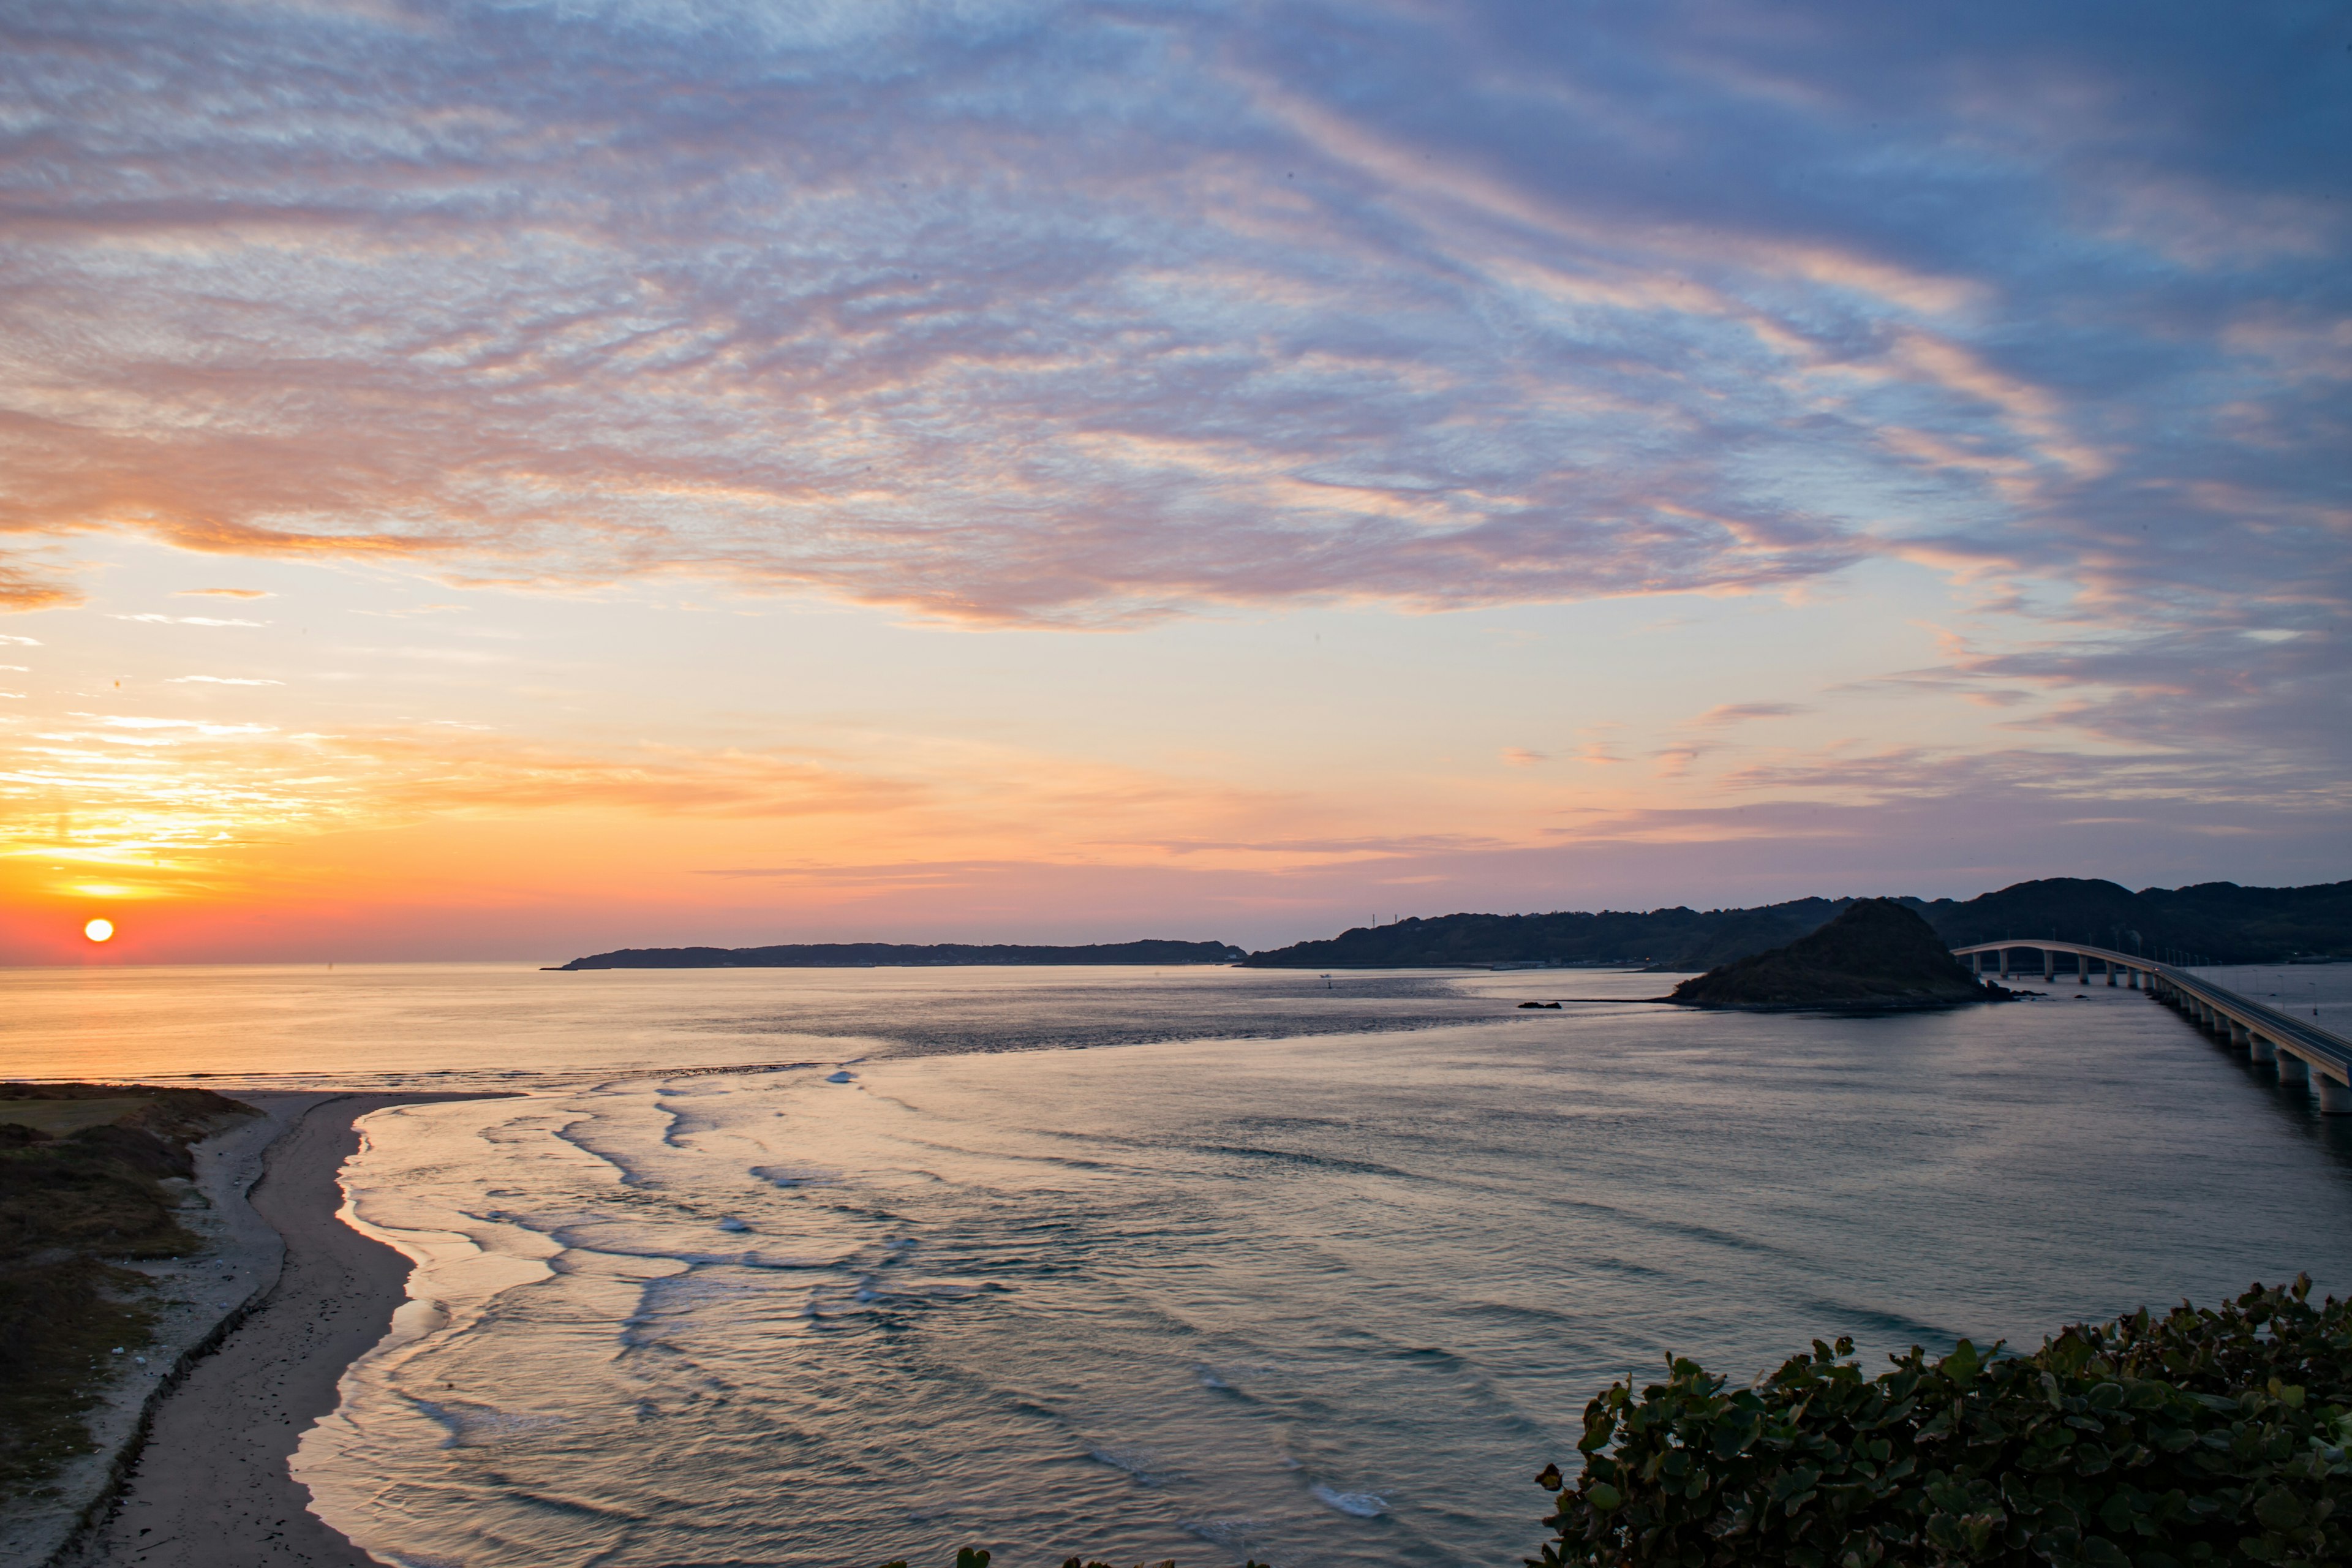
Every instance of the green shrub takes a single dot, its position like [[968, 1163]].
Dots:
[[2200, 1438], [72, 1205]]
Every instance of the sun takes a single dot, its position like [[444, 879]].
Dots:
[[99, 931]]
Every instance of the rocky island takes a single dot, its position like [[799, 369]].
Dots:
[[1877, 955]]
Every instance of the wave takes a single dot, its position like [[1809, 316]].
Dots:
[[1236, 1534], [1317, 1162], [1357, 1505], [472, 1425], [791, 1176], [1148, 1468]]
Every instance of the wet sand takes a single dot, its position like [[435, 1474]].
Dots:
[[211, 1487]]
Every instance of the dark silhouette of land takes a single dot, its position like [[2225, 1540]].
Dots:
[[2219, 922], [1877, 954], [2214, 922], [878, 954]]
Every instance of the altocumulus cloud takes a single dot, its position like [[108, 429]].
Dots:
[[1084, 314]]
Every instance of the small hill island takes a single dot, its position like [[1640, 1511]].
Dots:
[[1877, 956]]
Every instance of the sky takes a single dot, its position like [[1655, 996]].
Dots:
[[511, 480]]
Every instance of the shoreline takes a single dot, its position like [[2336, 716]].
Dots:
[[208, 1483]]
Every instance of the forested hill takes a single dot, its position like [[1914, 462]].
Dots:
[[859, 954], [1676, 939], [2219, 921], [2215, 922]]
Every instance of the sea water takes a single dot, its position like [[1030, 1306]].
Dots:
[[834, 1267]]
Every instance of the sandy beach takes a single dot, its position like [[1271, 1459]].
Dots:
[[211, 1487]]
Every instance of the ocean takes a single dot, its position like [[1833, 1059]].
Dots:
[[835, 1266]]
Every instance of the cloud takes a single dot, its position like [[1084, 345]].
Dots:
[[1040, 314], [219, 680], [186, 798], [1740, 712], [1031, 313], [149, 730], [223, 594]]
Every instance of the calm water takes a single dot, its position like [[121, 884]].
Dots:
[[825, 1268]]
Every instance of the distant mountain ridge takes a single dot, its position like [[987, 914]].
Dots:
[[2217, 921], [877, 954]]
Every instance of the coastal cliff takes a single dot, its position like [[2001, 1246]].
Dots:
[[1877, 955]]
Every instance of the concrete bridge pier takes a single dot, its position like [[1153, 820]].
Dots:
[[2302, 1053]]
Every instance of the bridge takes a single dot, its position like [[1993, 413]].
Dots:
[[2304, 1052]]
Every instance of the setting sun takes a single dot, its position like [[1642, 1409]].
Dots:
[[99, 931]]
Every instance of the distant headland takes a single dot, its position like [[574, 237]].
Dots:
[[887, 955]]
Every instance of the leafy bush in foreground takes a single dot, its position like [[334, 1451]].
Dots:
[[2198, 1438]]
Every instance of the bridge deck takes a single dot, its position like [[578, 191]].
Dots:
[[2323, 1049], [2307, 1039]]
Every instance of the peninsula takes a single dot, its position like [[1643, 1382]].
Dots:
[[885, 955], [1877, 955]]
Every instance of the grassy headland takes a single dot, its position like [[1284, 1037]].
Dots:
[[84, 1169]]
